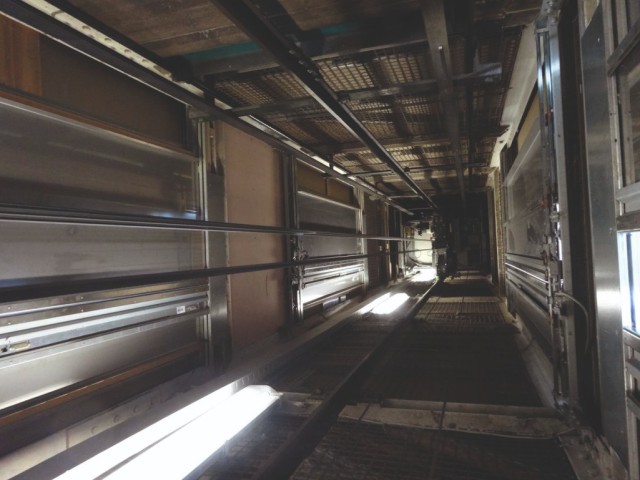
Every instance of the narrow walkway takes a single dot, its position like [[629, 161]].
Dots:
[[450, 399], [459, 354], [458, 349]]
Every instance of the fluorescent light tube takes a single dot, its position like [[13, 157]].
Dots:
[[179, 454], [122, 451]]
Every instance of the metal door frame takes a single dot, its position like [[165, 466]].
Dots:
[[556, 248]]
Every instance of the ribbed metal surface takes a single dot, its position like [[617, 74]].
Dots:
[[463, 314], [456, 367], [458, 349], [322, 370], [243, 457], [355, 450]]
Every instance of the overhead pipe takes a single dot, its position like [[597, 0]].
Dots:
[[95, 218], [21, 289]]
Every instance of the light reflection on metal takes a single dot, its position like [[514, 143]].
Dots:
[[510, 265], [391, 304], [176, 456], [374, 303], [191, 434], [425, 274]]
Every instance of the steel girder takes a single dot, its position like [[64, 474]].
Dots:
[[256, 26]]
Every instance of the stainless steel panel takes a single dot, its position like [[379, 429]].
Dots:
[[525, 228], [324, 246], [603, 225], [318, 211], [332, 279], [526, 216], [36, 250], [26, 336], [46, 370], [50, 161], [532, 314], [47, 310], [71, 327], [313, 293], [524, 283], [533, 263], [214, 329]]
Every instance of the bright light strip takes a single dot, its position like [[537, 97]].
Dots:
[[426, 274], [181, 453], [391, 305], [120, 452], [371, 305]]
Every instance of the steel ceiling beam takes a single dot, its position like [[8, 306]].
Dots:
[[435, 25], [416, 140], [398, 30], [69, 36], [247, 17], [415, 169], [486, 74]]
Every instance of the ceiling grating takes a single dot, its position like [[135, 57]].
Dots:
[[372, 54]]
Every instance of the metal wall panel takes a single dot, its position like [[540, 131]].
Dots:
[[55, 342], [375, 224], [32, 251], [326, 281], [50, 161], [603, 227], [524, 187], [525, 227], [254, 194]]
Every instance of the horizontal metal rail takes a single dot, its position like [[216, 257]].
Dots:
[[24, 289], [299, 445], [46, 215], [541, 280]]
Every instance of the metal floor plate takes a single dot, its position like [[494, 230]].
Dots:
[[463, 315], [249, 450], [354, 450], [459, 349], [456, 367]]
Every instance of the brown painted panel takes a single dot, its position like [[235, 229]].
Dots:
[[530, 120], [81, 84], [378, 266], [20, 62], [313, 181], [340, 192], [253, 175], [167, 27], [310, 180]]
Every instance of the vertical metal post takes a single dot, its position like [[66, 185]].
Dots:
[[362, 244], [556, 248], [293, 244], [214, 328], [604, 176]]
